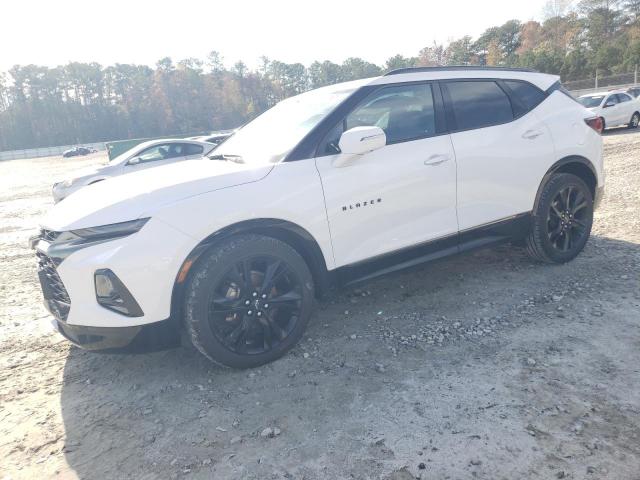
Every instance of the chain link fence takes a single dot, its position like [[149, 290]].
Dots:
[[598, 82], [45, 151]]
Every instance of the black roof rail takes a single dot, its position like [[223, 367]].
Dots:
[[457, 68]]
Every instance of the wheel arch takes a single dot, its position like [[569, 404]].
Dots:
[[579, 166], [292, 234]]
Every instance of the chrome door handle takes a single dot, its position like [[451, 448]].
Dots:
[[531, 134], [436, 160]]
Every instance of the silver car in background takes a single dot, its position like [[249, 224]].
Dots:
[[145, 155]]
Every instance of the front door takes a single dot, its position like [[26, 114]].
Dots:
[[400, 195]]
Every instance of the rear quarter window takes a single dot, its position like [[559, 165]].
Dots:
[[527, 96]]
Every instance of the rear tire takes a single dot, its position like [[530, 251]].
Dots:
[[248, 301], [562, 220]]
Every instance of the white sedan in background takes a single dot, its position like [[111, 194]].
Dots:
[[145, 155], [615, 108]]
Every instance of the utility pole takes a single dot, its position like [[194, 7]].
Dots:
[[596, 79], [635, 75]]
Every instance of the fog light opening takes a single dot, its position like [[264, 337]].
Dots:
[[113, 295]]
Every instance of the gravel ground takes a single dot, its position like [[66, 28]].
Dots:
[[481, 366]]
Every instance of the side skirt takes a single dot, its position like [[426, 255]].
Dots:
[[510, 229]]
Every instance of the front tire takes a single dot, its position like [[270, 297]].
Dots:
[[562, 220], [248, 301], [635, 120]]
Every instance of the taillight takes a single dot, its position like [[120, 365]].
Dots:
[[596, 123]]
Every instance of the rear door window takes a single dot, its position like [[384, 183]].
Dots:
[[612, 100], [478, 104]]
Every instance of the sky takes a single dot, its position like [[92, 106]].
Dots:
[[51, 33]]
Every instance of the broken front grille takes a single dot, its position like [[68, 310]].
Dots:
[[55, 294]]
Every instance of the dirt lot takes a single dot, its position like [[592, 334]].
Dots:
[[483, 366]]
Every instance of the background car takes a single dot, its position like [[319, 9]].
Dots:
[[77, 151], [146, 155], [633, 91], [615, 108]]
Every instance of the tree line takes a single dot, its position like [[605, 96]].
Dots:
[[86, 102]]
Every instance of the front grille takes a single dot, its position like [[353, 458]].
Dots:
[[55, 295], [49, 235]]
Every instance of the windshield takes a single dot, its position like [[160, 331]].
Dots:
[[591, 102], [271, 136]]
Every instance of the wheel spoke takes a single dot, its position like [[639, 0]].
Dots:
[[555, 210], [567, 240], [555, 232], [266, 335], [289, 297], [272, 274], [246, 274], [276, 329], [224, 304], [237, 333], [567, 198], [579, 207], [579, 223]]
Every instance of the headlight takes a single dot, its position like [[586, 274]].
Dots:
[[113, 230]]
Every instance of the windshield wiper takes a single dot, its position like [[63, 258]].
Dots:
[[228, 158]]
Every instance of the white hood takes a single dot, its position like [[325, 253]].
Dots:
[[139, 194]]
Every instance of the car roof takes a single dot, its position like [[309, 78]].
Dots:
[[454, 72], [151, 143], [598, 94]]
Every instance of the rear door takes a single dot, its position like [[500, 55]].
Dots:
[[502, 149], [611, 111], [627, 107]]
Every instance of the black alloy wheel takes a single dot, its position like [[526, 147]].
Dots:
[[255, 305], [248, 300], [562, 219], [567, 219]]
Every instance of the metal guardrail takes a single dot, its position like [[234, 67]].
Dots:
[[45, 151]]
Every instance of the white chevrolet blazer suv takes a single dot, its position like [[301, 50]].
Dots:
[[330, 187]]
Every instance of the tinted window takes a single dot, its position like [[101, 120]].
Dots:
[[622, 97], [528, 96], [478, 104], [151, 154], [612, 100], [329, 145], [404, 112], [591, 102], [191, 149]]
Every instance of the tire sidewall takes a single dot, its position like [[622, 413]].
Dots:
[[551, 189], [210, 269]]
